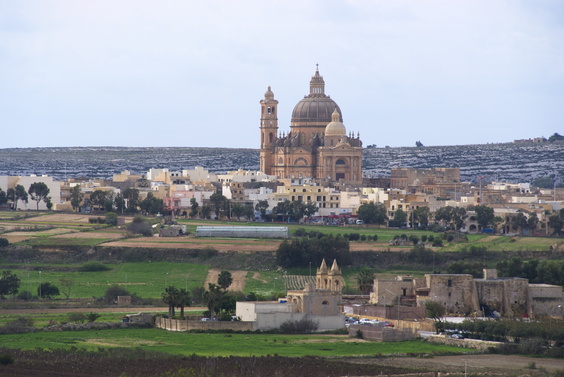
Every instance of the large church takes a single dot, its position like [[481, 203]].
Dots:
[[317, 144]]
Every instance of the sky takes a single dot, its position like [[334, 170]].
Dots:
[[190, 73]]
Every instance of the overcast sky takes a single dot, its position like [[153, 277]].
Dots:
[[192, 73]]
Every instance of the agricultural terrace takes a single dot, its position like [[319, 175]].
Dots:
[[54, 229]]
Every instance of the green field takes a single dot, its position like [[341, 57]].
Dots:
[[214, 344], [146, 279]]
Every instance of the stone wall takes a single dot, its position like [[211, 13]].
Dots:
[[184, 325], [382, 334], [481, 345], [388, 312]]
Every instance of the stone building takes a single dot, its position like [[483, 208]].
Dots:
[[461, 293], [318, 302], [317, 145]]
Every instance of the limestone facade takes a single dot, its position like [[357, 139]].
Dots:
[[317, 145]]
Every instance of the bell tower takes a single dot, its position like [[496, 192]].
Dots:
[[268, 131]]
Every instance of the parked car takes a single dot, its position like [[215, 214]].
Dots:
[[389, 324], [457, 336], [205, 319]]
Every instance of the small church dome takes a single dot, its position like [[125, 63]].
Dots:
[[336, 127], [269, 94]]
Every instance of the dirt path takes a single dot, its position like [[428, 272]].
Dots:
[[237, 275], [132, 310], [476, 363]]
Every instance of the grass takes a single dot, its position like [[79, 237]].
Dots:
[[147, 279], [216, 344]]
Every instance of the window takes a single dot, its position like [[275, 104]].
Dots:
[[449, 283]]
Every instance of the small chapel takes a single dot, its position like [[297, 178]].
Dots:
[[317, 145]]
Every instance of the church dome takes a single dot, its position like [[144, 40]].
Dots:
[[336, 127], [317, 106], [269, 94]]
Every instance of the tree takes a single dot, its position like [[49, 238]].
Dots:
[[238, 210], [131, 196], [206, 211], [436, 312], [213, 298], [183, 299], [400, 217], [20, 194], [218, 203], [9, 283], [556, 221], [170, 297], [262, 206], [98, 198], [194, 207], [224, 279], [66, 285], [452, 216], [151, 204], [4, 242], [76, 197], [365, 281], [484, 215], [47, 290], [555, 137], [249, 212], [372, 213], [119, 201], [421, 216], [39, 192], [3, 197]]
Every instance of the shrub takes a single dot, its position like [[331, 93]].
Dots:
[[91, 317], [4, 242], [93, 267], [140, 226], [113, 292], [438, 242], [375, 237], [111, 218], [363, 237], [303, 326], [24, 295], [19, 325], [6, 359], [300, 232], [359, 334], [77, 317]]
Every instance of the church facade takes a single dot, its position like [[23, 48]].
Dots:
[[317, 144]]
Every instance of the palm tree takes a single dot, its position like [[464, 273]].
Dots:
[[170, 297], [183, 299]]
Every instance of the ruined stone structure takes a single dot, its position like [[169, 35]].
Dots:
[[317, 145], [461, 293]]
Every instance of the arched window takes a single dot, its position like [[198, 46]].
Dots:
[[301, 162], [280, 161], [325, 303], [270, 137], [340, 162]]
